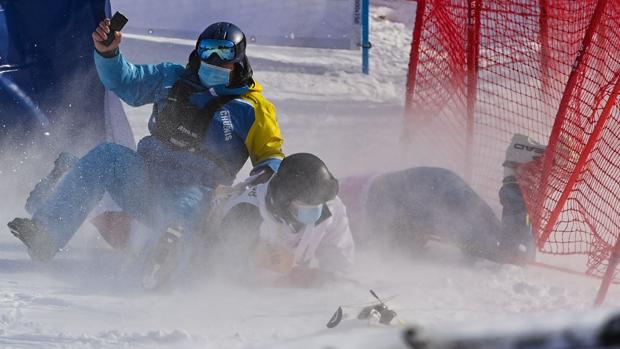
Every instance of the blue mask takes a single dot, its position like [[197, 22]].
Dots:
[[307, 214], [212, 75]]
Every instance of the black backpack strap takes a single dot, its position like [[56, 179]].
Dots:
[[183, 126]]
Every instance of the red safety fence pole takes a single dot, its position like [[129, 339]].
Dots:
[[583, 159], [559, 120], [544, 46], [614, 257], [473, 55], [609, 274], [414, 57]]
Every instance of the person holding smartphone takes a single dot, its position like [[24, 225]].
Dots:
[[209, 117]]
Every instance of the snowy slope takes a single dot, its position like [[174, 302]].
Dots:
[[325, 106]]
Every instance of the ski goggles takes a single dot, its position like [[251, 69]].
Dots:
[[224, 49]]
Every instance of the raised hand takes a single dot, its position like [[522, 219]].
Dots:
[[101, 34]]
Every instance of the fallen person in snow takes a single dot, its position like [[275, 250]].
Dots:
[[406, 209], [291, 230]]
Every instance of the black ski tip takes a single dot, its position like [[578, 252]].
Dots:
[[336, 318], [14, 228]]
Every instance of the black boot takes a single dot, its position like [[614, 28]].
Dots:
[[35, 236], [41, 191], [163, 259], [517, 240]]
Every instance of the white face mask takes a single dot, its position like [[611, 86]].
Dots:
[[212, 75]]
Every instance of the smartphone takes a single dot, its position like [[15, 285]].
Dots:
[[117, 22]]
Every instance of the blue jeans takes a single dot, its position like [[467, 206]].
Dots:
[[122, 173]]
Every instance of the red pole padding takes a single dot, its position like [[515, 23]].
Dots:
[[414, 57], [543, 22], [473, 53]]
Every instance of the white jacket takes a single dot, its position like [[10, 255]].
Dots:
[[328, 245]]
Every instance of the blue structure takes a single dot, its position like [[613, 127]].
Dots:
[[365, 36], [4, 37], [48, 80]]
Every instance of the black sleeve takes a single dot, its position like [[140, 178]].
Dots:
[[242, 219]]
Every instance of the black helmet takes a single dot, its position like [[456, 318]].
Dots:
[[225, 31], [302, 177]]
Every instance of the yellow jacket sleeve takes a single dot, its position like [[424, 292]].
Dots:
[[264, 141]]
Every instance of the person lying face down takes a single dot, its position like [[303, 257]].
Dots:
[[405, 209]]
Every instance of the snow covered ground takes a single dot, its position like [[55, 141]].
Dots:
[[327, 107]]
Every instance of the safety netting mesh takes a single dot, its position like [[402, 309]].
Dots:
[[483, 70]]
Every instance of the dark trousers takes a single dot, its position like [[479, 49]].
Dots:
[[411, 206]]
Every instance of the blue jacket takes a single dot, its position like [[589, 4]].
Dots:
[[245, 127]]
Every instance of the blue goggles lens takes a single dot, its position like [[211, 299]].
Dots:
[[224, 49]]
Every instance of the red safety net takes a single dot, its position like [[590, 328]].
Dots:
[[483, 70]]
